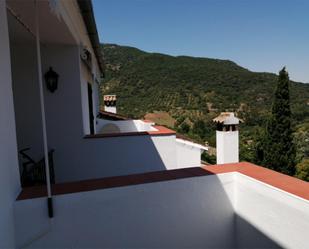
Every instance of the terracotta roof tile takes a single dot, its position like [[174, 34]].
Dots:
[[284, 182], [275, 179], [161, 131]]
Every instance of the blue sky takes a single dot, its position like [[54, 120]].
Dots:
[[261, 35]]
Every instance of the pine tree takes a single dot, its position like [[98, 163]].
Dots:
[[279, 150]]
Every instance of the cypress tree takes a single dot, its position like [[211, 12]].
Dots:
[[279, 150]]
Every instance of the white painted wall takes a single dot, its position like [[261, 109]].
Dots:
[[221, 211], [96, 101], [112, 156], [280, 216], [85, 78], [9, 175], [26, 98], [227, 146], [165, 147], [67, 116], [112, 109], [194, 212], [144, 126], [126, 125], [187, 156], [77, 158]]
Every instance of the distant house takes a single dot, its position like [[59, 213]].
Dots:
[[73, 176], [164, 148]]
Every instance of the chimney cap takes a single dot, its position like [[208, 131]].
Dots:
[[227, 118], [109, 97]]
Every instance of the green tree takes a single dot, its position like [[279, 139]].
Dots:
[[301, 141], [259, 146], [246, 152], [211, 159], [279, 150], [184, 128], [199, 128], [302, 170]]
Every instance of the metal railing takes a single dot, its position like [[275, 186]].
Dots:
[[33, 173]]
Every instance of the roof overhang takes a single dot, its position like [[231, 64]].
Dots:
[[86, 10]]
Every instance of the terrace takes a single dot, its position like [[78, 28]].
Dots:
[[224, 206], [137, 188]]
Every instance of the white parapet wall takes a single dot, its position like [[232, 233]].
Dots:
[[228, 210], [125, 126], [195, 212], [278, 215], [114, 156], [188, 153]]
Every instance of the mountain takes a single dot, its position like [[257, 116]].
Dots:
[[191, 89]]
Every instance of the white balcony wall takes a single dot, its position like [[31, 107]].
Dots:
[[282, 217], [124, 126], [112, 156], [215, 211], [9, 176], [187, 155], [195, 212]]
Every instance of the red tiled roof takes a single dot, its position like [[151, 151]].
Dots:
[[161, 131], [275, 179]]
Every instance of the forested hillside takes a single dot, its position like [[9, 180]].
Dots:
[[194, 90]]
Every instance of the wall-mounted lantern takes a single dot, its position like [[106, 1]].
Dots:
[[51, 79]]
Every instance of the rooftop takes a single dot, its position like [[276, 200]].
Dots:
[[157, 131]]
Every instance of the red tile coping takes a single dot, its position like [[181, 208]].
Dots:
[[111, 182], [161, 131], [284, 182], [278, 180]]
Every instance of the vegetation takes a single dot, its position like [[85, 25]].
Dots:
[[195, 90], [277, 149], [302, 170], [301, 141]]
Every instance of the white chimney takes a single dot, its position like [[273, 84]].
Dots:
[[110, 103], [227, 138]]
